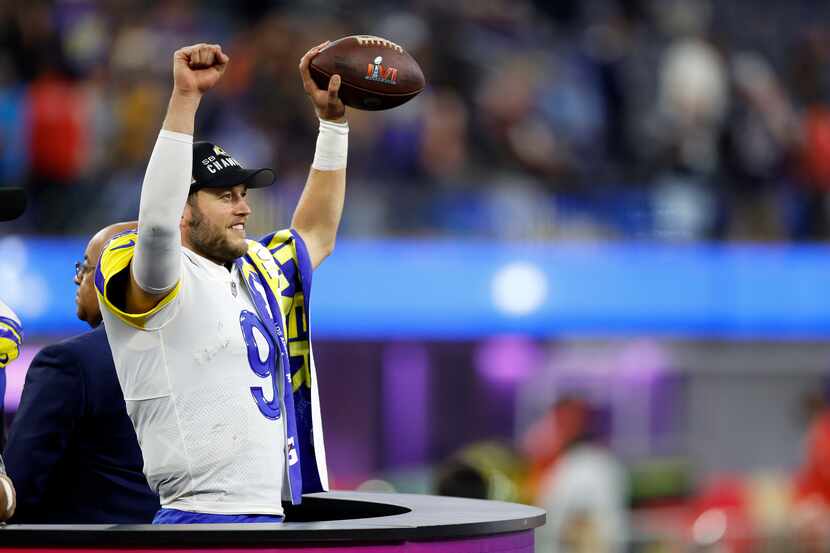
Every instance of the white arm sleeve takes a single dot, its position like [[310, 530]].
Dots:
[[157, 259]]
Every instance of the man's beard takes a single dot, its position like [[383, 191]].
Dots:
[[212, 242]]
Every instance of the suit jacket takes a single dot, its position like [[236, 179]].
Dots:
[[72, 452]]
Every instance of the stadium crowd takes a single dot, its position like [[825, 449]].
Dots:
[[676, 120]]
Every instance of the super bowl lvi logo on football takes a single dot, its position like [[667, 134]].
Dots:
[[379, 73], [376, 74]]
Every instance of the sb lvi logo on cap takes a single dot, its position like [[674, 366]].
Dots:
[[217, 162]]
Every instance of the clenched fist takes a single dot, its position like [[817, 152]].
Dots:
[[197, 68]]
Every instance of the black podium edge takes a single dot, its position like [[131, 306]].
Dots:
[[388, 529]]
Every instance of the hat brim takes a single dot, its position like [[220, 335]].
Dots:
[[12, 203], [253, 178]]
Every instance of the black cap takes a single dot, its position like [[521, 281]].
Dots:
[[12, 203], [214, 167]]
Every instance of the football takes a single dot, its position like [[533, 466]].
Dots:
[[375, 73]]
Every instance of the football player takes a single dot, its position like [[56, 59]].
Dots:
[[210, 330]]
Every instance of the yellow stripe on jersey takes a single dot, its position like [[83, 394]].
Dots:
[[9, 351], [9, 329], [116, 258], [11, 336]]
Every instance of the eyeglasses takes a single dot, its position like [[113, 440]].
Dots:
[[81, 268]]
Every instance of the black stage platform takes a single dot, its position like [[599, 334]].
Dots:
[[346, 521]]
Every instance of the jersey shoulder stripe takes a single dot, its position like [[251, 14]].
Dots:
[[116, 258], [11, 336], [11, 329]]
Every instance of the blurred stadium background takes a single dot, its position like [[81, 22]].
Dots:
[[626, 200]]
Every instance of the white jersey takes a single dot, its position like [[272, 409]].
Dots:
[[207, 421]]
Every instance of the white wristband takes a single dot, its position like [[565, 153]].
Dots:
[[332, 146]]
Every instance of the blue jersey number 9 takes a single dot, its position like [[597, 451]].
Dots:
[[263, 368]]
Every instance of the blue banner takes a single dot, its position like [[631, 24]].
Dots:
[[449, 290]]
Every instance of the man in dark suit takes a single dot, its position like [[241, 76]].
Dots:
[[72, 451]]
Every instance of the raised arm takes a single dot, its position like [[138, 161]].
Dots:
[[318, 212], [157, 260]]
